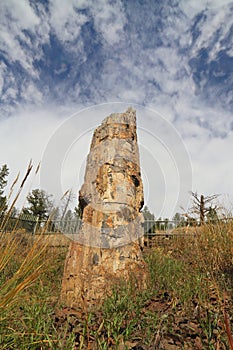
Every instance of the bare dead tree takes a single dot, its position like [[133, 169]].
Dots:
[[202, 205]]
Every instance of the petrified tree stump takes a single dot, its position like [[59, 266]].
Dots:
[[108, 246]]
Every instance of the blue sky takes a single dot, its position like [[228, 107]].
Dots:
[[171, 60]]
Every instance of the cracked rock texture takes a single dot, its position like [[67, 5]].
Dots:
[[108, 246]]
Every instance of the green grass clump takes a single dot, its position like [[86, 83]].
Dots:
[[181, 281]]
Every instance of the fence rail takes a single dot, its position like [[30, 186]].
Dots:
[[33, 225], [156, 233]]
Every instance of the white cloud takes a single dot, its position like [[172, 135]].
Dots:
[[193, 7], [215, 23], [20, 12], [24, 136], [65, 20], [31, 94], [109, 19], [15, 52], [15, 17], [212, 170]]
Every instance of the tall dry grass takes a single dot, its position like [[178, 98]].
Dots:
[[25, 274], [209, 247], [208, 250], [28, 270]]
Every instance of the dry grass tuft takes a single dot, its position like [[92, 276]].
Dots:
[[29, 269]]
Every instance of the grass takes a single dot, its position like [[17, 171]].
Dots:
[[188, 302]]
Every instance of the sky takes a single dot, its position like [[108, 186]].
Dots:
[[66, 65]]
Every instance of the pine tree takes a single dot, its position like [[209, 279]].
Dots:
[[40, 204], [4, 172], [149, 224]]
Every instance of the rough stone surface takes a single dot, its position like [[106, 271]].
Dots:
[[108, 246]]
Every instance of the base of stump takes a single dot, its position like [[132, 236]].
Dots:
[[90, 273]]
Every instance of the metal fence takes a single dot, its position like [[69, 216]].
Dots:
[[156, 232], [34, 225], [154, 226]]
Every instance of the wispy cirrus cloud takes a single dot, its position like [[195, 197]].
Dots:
[[105, 51]]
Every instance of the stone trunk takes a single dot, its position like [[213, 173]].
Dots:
[[108, 246]]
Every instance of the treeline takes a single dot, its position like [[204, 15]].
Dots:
[[40, 206], [201, 211]]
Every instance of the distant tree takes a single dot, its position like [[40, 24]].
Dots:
[[159, 224], [147, 214], [40, 204], [78, 212], [55, 216], [192, 221], [78, 217], [212, 215], [179, 220], [69, 215], [177, 217], [166, 221], [201, 205], [149, 218], [4, 172]]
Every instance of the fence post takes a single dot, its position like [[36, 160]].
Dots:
[[35, 226]]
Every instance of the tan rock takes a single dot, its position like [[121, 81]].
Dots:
[[108, 246]]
